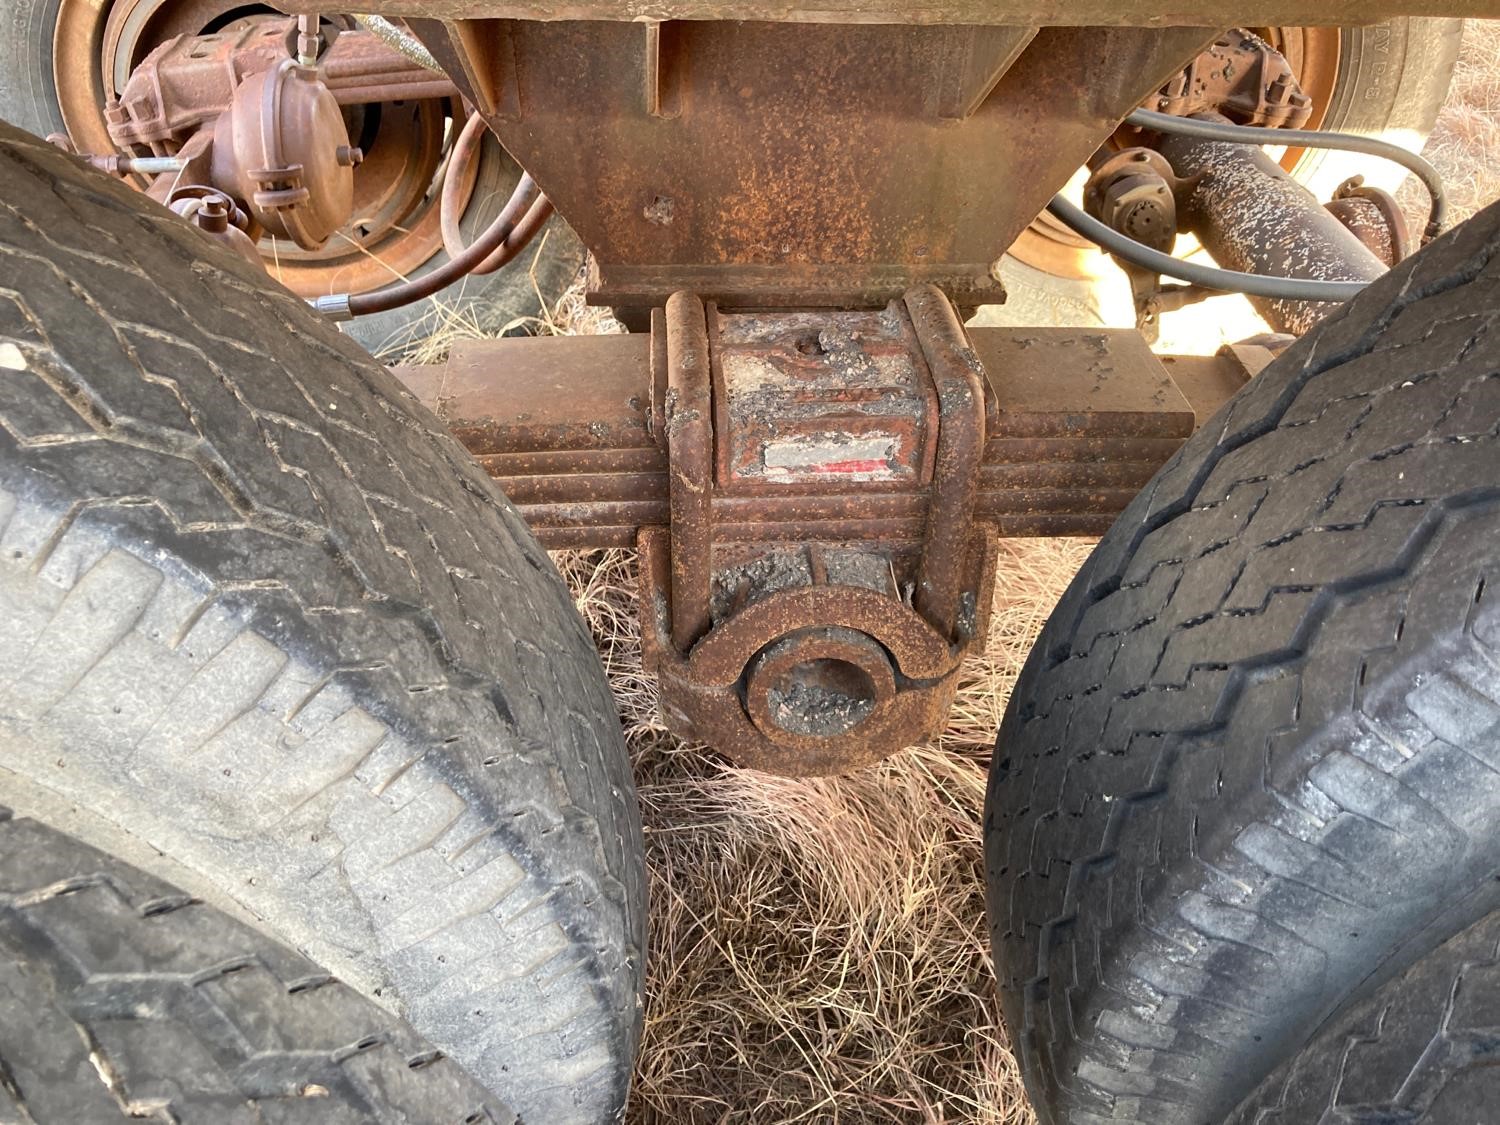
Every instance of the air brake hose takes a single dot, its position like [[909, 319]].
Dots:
[[1233, 281], [503, 239], [468, 149]]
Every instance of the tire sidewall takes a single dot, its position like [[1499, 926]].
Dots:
[[1408, 843], [415, 671], [28, 93], [1392, 81]]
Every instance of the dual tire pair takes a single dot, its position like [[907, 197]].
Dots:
[[274, 638]]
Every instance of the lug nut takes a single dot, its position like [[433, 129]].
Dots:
[[349, 156], [212, 215]]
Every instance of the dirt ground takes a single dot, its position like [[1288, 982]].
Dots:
[[818, 950]]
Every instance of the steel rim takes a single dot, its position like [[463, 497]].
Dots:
[[395, 230], [1312, 52]]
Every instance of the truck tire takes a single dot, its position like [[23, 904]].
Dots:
[[1424, 1047], [1249, 771], [121, 997], [272, 634], [1393, 78], [495, 303]]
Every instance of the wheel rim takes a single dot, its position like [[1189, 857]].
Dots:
[[1313, 54], [395, 229]]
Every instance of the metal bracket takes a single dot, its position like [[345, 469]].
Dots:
[[817, 494], [816, 657], [822, 656]]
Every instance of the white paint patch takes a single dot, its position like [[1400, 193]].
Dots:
[[11, 358], [818, 458]]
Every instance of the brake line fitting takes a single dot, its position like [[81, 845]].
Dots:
[[219, 217], [309, 39]]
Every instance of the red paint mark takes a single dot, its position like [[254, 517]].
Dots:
[[871, 465]]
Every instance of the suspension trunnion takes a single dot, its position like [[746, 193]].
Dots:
[[817, 495]]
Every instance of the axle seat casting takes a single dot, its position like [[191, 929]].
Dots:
[[822, 656], [817, 495]]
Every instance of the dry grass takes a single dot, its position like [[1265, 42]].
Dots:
[[430, 338], [1465, 143], [818, 948]]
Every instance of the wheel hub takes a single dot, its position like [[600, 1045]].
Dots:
[[392, 226]]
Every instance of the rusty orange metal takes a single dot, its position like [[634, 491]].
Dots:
[[833, 675], [1253, 217], [1076, 422], [776, 166], [395, 229], [688, 413], [1312, 55], [817, 495]]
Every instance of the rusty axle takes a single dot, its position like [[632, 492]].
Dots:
[[1254, 218]]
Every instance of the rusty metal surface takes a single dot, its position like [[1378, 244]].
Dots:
[[175, 98], [824, 653], [1045, 13], [811, 657], [795, 650], [359, 67], [1208, 382], [1078, 384], [818, 683], [830, 732], [942, 594], [770, 166], [1374, 217], [808, 600], [1243, 77], [525, 396], [192, 79], [1078, 422], [801, 625], [1251, 216], [282, 150], [463, 164], [216, 215], [1131, 191], [688, 412], [803, 398], [1313, 55], [1243, 206]]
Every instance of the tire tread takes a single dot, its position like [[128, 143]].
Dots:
[[1175, 807], [306, 538]]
